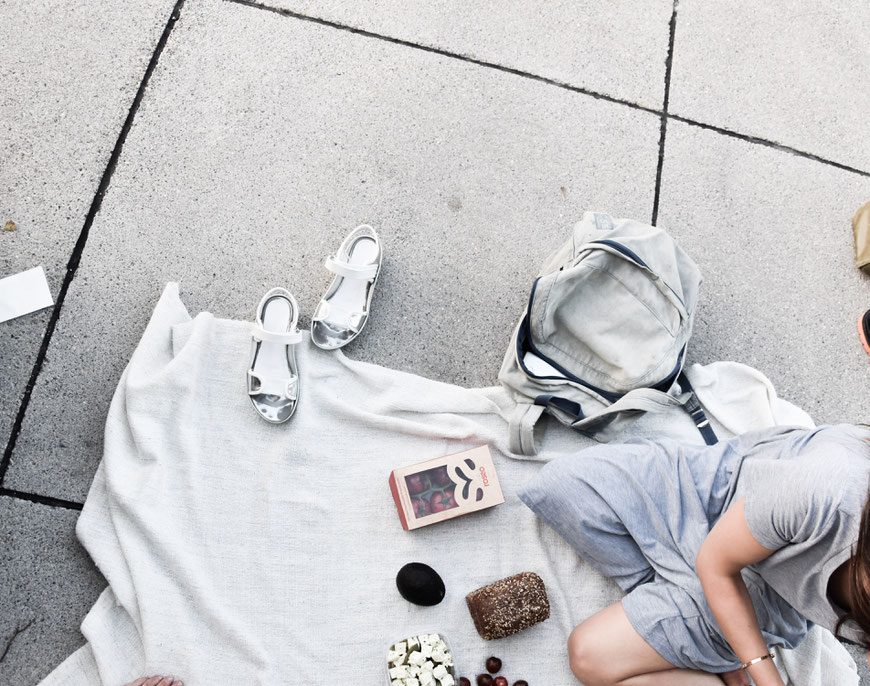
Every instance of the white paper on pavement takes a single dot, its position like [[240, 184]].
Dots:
[[24, 293]]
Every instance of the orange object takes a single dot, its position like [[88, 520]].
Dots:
[[864, 330]]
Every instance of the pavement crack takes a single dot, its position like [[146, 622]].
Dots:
[[669, 63], [15, 634], [447, 53]]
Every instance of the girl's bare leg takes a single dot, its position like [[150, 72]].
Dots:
[[156, 681], [605, 650]]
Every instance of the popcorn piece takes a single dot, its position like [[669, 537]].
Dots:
[[428, 666], [433, 638], [426, 649], [395, 657], [416, 658], [447, 681], [396, 682], [440, 671], [401, 647], [426, 679]]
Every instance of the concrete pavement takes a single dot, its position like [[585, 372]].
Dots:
[[230, 146]]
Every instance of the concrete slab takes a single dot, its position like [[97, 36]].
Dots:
[[771, 233], [794, 72], [613, 47], [262, 140], [860, 656], [66, 92], [49, 584], [20, 340]]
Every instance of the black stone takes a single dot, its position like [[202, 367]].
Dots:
[[420, 584]]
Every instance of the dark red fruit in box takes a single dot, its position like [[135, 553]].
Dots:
[[493, 665], [440, 477], [415, 484], [501, 681], [421, 508], [464, 682], [484, 680], [436, 502], [521, 682]]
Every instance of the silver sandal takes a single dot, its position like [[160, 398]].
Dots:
[[273, 379], [344, 309]]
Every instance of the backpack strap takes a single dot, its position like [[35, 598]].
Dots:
[[696, 412], [569, 407], [638, 400], [521, 427]]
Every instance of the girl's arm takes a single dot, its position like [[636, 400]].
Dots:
[[728, 548]]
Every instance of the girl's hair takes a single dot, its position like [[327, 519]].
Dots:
[[859, 582], [858, 578]]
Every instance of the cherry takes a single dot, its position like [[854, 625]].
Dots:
[[501, 681], [484, 680], [521, 682], [464, 682], [493, 665]]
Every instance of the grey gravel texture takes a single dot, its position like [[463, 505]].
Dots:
[[771, 233], [860, 656], [260, 144], [793, 71], [64, 94], [264, 138], [614, 47], [48, 584]]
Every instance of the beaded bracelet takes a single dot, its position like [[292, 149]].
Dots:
[[756, 660]]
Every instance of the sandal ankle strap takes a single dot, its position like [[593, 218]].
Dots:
[[284, 337], [351, 271]]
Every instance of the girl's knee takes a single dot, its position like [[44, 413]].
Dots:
[[586, 658]]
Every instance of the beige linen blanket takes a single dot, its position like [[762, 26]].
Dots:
[[239, 552]]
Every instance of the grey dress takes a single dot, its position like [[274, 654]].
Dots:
[[639, 512]]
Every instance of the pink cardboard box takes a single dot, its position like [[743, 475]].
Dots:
[[445, 487]]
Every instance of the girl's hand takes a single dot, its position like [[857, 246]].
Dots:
[[737, 677]]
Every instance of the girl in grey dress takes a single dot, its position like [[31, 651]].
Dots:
[[724, 551]]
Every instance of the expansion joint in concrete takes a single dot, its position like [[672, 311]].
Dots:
[[769, 144], [76, 256], [445, 53], [663, 114], [19, 629], [669, 63], [41, 499]]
